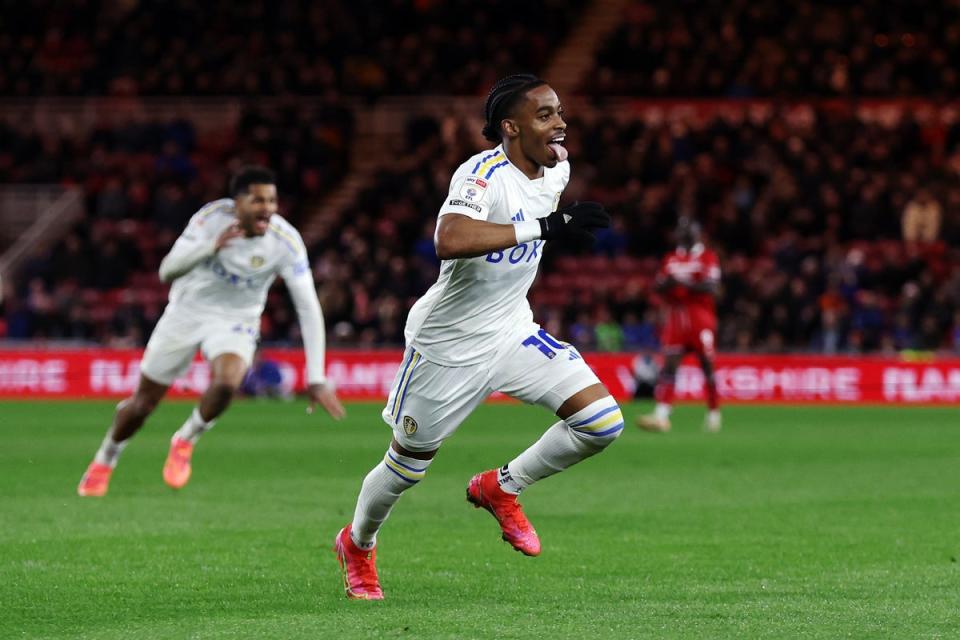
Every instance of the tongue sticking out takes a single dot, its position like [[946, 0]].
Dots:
[[559, 150]]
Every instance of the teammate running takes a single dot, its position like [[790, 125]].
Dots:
[[221, 268]]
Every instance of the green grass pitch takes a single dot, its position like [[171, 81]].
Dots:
[[793, 522]]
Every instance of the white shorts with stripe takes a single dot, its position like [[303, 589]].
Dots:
[[180, 332], [428, 401]]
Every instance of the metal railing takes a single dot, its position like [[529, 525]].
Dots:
[[32, 218]]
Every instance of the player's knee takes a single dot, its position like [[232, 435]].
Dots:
[[405, 471], [599, 424]]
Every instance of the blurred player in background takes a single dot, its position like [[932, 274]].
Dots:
[[688, 283], [473, 332], [264, 379], [221, 267]]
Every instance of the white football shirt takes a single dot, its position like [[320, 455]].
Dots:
[[234, 281], [476, 302]]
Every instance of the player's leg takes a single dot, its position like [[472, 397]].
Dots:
[[713, 420], [426, 404], [129, 416], [551, 374], [659, 420], [382, 487], [226, 375], [166, 358], [399, 470], [590, 420]]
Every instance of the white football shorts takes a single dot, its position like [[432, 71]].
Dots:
[[428, 401], [180, 332]]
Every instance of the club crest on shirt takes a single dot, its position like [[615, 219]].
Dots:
[[409, 425], [256, 261], [473, 189]]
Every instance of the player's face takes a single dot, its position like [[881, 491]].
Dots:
[[255, 207], [541, 127]]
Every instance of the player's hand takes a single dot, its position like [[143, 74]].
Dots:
[[231, 232], [326, 397], [666, 282], [575, 223]]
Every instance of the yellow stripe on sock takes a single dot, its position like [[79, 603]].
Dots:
[[605, 421], [413, 476]]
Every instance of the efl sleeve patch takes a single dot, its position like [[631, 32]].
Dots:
[[468, 197], [473, 189]]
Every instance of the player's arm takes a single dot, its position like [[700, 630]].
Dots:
[[192, 248], [299, 283], [459, 236], [664, 282], [705, 286], [711, 282], [462, 236]]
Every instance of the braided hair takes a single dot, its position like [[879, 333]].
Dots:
[[503, 97]]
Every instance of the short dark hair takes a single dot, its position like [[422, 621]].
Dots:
[[246, 176], [503, 97]]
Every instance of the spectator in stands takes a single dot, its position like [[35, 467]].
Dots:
[[779, 189], [188, 48], [921, 218], [609, 333], [770, 48]]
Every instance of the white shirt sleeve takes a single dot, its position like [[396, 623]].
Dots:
[[470, 195], [299, 280], [194, 245]]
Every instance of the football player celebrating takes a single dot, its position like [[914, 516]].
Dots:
[[473, 332]]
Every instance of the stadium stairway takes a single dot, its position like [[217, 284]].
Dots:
[[382, 124], [366, 156], [575, 58]]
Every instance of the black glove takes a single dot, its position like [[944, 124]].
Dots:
[[575, 223]]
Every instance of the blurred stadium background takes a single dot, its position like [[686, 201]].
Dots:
[[818, 142]]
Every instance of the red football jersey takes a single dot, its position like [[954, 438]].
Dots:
[[699, 264]]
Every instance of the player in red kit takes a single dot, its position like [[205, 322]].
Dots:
[[688, 283]]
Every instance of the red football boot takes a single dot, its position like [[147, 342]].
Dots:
[[359, 568], [95, 480], [484, 491], [176, 470]]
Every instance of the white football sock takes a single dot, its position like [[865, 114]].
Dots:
[[662, 411], [109, 451], [507, 482], [380, 491], [564, 444], [194, 427]]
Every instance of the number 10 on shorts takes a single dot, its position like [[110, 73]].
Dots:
[[549, 346]]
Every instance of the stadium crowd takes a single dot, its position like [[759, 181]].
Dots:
[[142, 180], [835, 232], [837, 223], [833, 228], [368, 48], [189, 47], [751, 48]]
